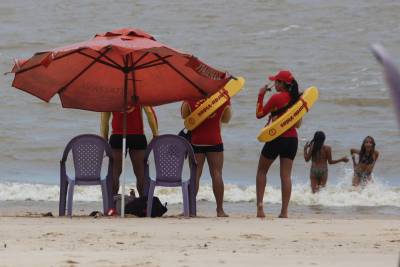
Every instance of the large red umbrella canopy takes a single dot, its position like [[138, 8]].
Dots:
[[95, 74], [115, 70]]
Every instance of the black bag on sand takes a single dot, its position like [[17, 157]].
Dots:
[[138, 207]]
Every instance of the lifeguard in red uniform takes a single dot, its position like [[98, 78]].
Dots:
[[207, 144], [136, 142]]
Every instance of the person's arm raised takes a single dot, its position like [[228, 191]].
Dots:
[[307, 151], [262, 110]]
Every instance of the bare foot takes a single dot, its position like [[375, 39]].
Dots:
[[222, 213], [260, 211], [282, 215]]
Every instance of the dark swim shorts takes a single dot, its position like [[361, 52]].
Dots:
[[133, 141], [285, 147], [205, 149]]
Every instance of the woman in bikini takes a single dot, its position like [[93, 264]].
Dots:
[[367, 157], [320, 155]]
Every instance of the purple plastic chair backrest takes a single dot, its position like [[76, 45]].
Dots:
[[170, 152], [87, 152]]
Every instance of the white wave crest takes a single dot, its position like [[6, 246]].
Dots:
[[341, 194]]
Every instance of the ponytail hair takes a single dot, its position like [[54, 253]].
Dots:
[[317, 143], [293, 89]]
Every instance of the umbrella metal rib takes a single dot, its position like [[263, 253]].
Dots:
[[140, 58], [54, 59], [116, 65], [151, 63], [62, 89], [181, 74]]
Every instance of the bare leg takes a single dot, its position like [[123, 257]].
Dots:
[[323, 180], [356, 180], [117, 169], [215, 162], [369, 179], [286, 185], [314, 183], [200, 158], [261, 182], [137, 158]]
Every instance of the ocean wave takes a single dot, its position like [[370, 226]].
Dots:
[[285, 29], [341, 194], [361, 102]]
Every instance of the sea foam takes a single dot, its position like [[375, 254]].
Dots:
[[341, 194]]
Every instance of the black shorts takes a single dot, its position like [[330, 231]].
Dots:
[[285, 147], [133, 141], [205, 149]]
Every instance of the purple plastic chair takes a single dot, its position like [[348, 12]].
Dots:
[[170, 152], [88, 153]]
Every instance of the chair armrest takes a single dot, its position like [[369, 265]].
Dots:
[[110, 168], [63, 171], [146, 170]]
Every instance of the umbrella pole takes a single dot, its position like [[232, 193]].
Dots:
[[124, 148], [123, 170]]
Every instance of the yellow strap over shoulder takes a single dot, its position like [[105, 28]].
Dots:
[[104, 124]]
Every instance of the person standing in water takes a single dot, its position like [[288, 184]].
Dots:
[[285, 146], [320, 155], [207, 144], [367, 157]]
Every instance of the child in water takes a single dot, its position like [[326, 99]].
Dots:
[[367, 156], [320, 155]]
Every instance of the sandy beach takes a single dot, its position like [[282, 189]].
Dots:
[[323, 43], [240, 240]]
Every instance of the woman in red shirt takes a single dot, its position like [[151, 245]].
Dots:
[[136, 142], [207, 144], [285, 146]]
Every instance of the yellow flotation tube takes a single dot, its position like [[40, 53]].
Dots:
[[290, 117], [212, 103]]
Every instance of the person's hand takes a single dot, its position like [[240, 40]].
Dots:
[[264, 89], [345, 159], [308, 144]]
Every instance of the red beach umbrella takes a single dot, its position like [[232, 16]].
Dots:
[[115, 70]]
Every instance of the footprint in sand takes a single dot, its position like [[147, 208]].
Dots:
[[52, 234], [255, 236]]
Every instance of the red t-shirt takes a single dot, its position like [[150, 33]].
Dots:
[[209, 131], [134, 121], [276, 101]]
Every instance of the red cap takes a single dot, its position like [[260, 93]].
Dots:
[[283, 76]]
